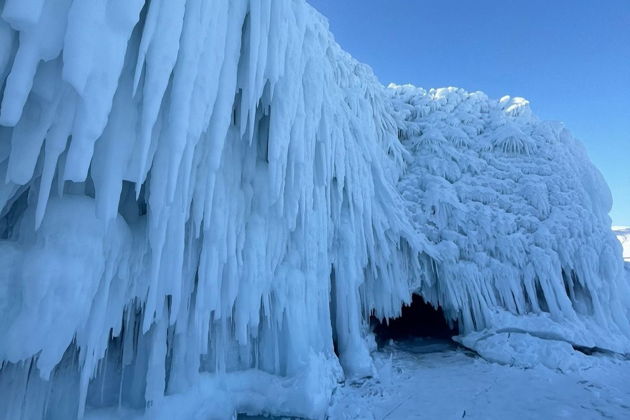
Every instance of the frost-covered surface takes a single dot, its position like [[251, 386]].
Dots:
[[189, 184], [428, 380], [205, 195], [623, 234], [518, 217]]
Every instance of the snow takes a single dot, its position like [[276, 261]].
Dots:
[[205, 200], [623, 234], [426, 379]]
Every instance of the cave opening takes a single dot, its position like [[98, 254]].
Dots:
[[417, 320]]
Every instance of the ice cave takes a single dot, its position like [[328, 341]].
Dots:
[[418, 319], [211, 198]]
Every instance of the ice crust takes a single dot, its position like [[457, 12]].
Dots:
[[210, 196]]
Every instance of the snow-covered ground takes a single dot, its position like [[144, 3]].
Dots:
[[434, 379], [623, 234]]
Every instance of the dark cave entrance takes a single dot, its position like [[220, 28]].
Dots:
[[418, 320]]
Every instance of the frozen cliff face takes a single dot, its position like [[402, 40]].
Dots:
[[518, 218], [211, 196], [192, 186]]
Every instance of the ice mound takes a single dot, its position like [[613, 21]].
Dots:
[[210, 198], [519, 217]]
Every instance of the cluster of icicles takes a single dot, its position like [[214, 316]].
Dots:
[[212, 195]]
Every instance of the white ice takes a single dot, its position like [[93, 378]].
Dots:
[[623, 235]]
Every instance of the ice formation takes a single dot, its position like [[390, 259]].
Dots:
[[623, 234], [211, 195], [519, 217]]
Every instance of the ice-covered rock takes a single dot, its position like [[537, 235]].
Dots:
[[211, 197], [519, 216]]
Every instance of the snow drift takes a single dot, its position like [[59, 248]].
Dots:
[[210, 196]]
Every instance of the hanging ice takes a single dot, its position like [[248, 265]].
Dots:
[[519, 217], [211, 195]]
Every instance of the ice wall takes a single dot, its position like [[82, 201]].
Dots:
[[519, 218], [191, 186], [211, 195]]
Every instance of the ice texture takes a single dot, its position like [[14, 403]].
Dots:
[[210, 197], [518, 216]]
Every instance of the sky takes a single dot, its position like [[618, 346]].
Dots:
[[569, 58]]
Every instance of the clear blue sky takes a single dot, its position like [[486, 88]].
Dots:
[[569, 58]]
